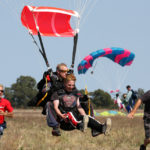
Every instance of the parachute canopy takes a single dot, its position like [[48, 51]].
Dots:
[[49, 21], [120, 56], [114, 113], [114, 91]]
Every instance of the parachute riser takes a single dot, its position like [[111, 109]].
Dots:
[[43, 50], [44, 55], [74, 50]]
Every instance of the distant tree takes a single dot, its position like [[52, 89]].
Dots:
[[101, 98], [140, 92], [22, 91], [82, 91]]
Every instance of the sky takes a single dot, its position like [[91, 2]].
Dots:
[[104, 24]]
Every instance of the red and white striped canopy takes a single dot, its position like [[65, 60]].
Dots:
[[49, 21]]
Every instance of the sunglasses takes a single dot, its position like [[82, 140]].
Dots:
[[2, 91], [63, 70]]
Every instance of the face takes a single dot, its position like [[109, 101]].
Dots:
[[129, 89], [1, 92], [62, 72], [124, 96], [69, 86]]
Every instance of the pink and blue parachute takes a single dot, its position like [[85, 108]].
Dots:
[[120, 56]]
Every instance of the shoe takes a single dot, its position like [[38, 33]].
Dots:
[[44, 111], [56, 131], [142, 147], [82, 126], [107, 126], [1, 130], [95, 132]]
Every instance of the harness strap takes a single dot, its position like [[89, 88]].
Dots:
[[89, 103], [42, 99]]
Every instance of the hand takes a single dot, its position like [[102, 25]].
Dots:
[[48, 72], [70, 71], [2, 113], [64, 116], [131, 115]]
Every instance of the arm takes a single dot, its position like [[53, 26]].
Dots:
[[137, 105], [6, 114], [56, 104], [8, 110], [80, 109]]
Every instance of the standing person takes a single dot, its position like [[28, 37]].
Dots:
[[6, 110], [146, 100], [131, 96], [66, 112], [126, 103], [119, 103]]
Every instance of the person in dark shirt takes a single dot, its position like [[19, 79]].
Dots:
[[131, 97], [66, 112], [145, 99], [48, 85]]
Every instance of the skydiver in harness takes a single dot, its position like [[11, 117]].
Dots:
[[53, 81], [49, 84], [64, 111]]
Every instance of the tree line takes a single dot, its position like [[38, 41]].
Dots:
[[21, 92]]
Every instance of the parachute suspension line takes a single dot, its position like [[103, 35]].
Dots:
[[124, 77], [100, 77], [42, 50], [34, 41], [74, 50], [83, 7], [77, 25], [91, 6], [93, 68]]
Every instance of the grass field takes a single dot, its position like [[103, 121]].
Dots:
[[28, 131]]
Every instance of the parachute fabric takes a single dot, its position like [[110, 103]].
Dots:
[[50, 21], [120, 56]]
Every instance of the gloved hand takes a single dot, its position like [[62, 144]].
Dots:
[[47, 74], [70, 71]]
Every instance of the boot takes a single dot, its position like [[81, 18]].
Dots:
[[56, 131]]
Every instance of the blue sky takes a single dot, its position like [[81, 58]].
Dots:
[[110, 23]]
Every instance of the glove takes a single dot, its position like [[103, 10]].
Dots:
[[70, 71], [48, 72]]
